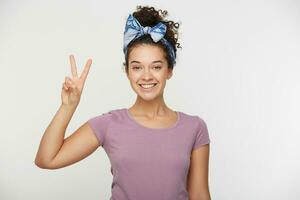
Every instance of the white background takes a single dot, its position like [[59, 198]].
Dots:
[[238, 70]]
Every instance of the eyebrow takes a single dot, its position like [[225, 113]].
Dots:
[[156, 61]]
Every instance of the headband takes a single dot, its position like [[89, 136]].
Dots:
[[134, 30]]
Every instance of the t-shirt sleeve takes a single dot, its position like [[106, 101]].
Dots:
[[202, 136], [99, 125]]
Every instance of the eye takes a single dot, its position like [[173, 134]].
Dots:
[[157, 67], [136, 67]]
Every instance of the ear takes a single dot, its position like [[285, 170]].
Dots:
[[170, 73], [127, 73]]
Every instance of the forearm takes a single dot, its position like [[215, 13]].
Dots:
[[202, 197], [205, 197], [53, 137], [200, 194]]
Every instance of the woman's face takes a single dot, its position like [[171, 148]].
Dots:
[[148, 71]]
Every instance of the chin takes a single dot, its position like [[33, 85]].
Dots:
[[148, 97]]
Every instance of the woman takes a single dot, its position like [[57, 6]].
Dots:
[[156, 153]]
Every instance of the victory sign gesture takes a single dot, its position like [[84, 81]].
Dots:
[[73, 86]]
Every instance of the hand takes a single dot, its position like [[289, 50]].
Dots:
[[72, 87]]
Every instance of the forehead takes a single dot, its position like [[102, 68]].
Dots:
[[146, 53]]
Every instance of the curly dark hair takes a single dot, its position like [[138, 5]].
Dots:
[[148, 16]]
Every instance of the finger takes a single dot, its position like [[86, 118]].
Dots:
[[66, 87], [67, 84], [68, 79], [86, 69], [73, 66], [70, 84]]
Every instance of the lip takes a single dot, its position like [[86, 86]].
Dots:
[[148, 89], [146, 83]]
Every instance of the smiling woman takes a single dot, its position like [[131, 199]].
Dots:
[[148, 74], [155, 152]]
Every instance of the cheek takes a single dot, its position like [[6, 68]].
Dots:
[[162, 76], [133, 78]]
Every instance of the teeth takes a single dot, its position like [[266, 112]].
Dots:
[[147, 85]]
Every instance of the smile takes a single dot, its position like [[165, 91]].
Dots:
[[147, 86]]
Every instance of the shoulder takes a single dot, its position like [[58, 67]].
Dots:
[[194, 123], [101, 122], [192, 118], [199, 129], [110, 115]]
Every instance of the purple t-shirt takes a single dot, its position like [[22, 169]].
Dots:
[[148, 163]]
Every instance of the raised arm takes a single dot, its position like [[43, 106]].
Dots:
[[55, 151]]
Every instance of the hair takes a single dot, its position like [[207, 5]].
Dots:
[[148, 16]]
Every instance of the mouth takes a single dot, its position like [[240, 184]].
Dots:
[[147, 86]]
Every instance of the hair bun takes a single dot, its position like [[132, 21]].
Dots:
[[149, 16]]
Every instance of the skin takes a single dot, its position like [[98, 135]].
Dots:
[[147, 64]]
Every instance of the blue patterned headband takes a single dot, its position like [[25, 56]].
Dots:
[[134, 30]]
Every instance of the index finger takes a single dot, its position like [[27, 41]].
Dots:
[[73, 66], [86, 69]]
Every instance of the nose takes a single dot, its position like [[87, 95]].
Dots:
[[147, 74]]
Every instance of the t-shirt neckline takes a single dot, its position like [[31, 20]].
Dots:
[[134, 122]]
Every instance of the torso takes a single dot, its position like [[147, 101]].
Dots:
[[142, 156]]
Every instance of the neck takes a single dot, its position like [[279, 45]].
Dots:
[[151, 108]]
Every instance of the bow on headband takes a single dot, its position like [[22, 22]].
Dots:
[[134, 30]]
